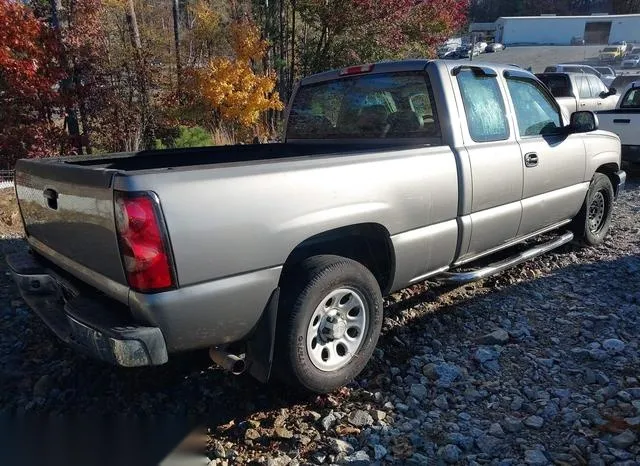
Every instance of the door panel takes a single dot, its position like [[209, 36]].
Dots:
[[554, 164], [495, 162]]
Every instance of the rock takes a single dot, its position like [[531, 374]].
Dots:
[[441, 402], [516, 403], [442, 373], [315, 416], [496, 430], [535, 458], [598, 354], [613, 346], [450, 453], [379, 452], [318, 457], [328, 421], [283, 433], [601, 378], [634, 392], [484, 355], [418, 391], [359, 458], [418, 459], [360, 418], [497, 337], [624, 440], [251, 434], [488, 444], [378, 415], [340, 446], [535, 422], [464, 442], [279, 461], [512, 424], [620, 454], [42, 386]]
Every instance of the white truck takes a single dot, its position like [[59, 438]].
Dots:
[[624, 121]]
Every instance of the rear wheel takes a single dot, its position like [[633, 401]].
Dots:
[[592, 223], [329, 323]]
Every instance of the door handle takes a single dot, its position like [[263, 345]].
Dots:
[[531, 159]]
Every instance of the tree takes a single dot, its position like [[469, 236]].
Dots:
[[623, 7], [29, 73], [236, 93]]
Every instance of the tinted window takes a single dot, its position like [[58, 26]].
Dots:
[[558, 84], [631, 99], [484, 106], [536, 112], [584, 91], [385, 105], [550, 69]]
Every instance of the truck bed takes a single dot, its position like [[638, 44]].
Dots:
[[174, 158]]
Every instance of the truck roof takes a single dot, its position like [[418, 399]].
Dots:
[[400, 66]]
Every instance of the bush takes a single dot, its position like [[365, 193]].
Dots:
[[185, 137]]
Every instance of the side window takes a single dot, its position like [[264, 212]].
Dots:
[[631, 99], [584, 91], [597, 86], [536, 113], [484, 106]]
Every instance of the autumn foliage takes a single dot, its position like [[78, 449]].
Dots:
[[93, 76], [232, 88]]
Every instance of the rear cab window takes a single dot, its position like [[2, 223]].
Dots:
[[558, 84], [369, 106]]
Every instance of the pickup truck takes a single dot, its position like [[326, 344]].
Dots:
[[624, 121], [580, 91], [275, 257]]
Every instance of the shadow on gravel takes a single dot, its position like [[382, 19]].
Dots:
[[39, 374]]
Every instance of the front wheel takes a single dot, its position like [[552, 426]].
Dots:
[[329, 323], [592, 223]]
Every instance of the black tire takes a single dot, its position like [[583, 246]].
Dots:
[[591, 225], [304, 291]]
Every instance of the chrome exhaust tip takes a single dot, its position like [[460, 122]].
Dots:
[[229, 362]]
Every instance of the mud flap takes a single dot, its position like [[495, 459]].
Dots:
[[261, 344]]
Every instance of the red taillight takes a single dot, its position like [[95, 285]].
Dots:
[[356, 70], [143, 246]]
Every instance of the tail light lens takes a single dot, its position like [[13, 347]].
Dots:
[[143, 243]]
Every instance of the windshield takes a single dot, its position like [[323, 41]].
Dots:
[[389, 105], [605, 70], [610, 49], [632, 57]]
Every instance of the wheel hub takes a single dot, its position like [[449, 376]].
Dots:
[[337, 329], [596, 212], [333, 327]]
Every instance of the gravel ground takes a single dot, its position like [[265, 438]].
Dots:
[[538, 365]]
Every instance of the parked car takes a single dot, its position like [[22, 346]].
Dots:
[[579, 91], [624, 80], [634, 51], [572, 68], [495, 47], [481, 46], [631, 61], [577, 40], [624, 121], [610, 54], [279, 254], [607, 74]]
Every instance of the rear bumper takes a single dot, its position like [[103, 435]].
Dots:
[[87, 321]]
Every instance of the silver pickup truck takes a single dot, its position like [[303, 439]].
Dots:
[[277, 256]]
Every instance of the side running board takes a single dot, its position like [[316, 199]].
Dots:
[[459, 278]]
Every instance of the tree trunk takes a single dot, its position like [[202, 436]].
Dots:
[[292, 62], [176, 40], [141, 76]]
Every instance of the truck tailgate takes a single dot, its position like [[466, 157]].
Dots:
[[69, 209]]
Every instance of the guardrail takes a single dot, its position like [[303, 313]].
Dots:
[[6, 178]]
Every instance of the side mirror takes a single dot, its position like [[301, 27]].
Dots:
[[613, 91], [583, 122]]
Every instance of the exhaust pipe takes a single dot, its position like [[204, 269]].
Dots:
[[229, 362]]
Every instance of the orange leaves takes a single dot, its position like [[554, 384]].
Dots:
[[232, 88]]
